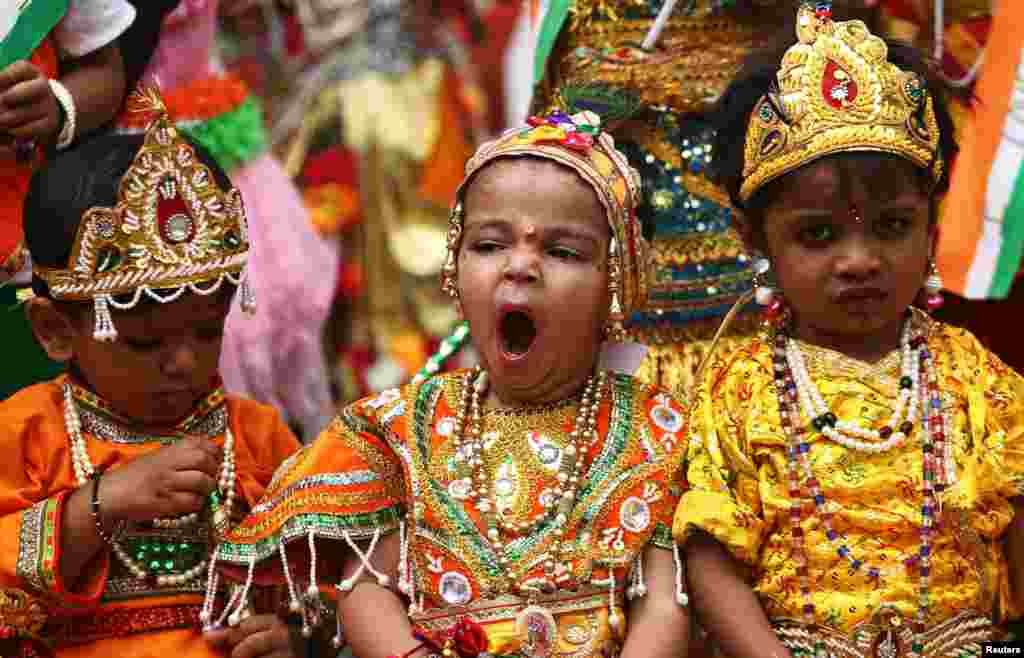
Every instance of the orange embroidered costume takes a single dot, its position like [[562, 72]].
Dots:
[[529, 521], [173, 231]]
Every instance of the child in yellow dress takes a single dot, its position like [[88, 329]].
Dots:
[[863, 462]]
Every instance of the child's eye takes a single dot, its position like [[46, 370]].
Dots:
[[818, 234], [484, 246], [893, 227], [564, 253], [142, 344]]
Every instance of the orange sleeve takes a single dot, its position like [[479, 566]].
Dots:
[[262, 442], [33, 489]]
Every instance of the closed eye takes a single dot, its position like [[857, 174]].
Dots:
[[565, 253], [142, 344], [485, 246]]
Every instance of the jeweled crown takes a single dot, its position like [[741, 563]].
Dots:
[[173, 230], [838, 92]]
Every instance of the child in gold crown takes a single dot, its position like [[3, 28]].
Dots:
[[125, 473], [521, 508], [863, 461]]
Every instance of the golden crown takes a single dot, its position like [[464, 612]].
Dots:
[[173, 230], [838, 92]]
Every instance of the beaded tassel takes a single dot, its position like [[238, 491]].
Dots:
[[235, 618], [206, 614], [364, 563], [637, 587], [682, 598], [104, 331], [294, 604]]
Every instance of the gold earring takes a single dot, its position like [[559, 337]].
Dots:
[[614, 329], [450, 271]]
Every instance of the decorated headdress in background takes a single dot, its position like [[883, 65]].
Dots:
[[172, 231], [837, 92], [579, 143]]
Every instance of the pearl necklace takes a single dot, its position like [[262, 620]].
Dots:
[[936, 476], [84, 472], [470, 449], [848, 433]]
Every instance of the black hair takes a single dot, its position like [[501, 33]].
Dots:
[[67, 186], [758, 77]]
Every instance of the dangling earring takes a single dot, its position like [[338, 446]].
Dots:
[[764, 294], [933, 287], [614, 329]]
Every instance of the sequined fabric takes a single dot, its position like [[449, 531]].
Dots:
[[741, 495], [390, 460]]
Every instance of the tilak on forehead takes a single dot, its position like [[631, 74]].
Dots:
[[577, 142], [172, 231]]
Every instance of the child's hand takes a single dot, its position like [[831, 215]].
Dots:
[[28, 108], [259, 636], [169, 482]]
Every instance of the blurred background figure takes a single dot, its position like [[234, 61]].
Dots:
[[383, 103]]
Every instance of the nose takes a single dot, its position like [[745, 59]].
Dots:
[[181, 360], [523, 265], [858, 260]]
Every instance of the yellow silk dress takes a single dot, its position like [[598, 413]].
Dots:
[[740, 495]]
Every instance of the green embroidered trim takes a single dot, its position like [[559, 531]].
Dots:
[[37, 548], [234, 138], [329, 526]]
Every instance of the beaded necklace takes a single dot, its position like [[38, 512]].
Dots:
[[221, 500], [795, 390], [471, 445]]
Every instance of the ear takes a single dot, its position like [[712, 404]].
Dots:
[[53, 329]]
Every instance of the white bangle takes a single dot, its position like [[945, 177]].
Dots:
[[67, 102]]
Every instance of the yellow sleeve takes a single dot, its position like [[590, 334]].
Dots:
[[724, 498]]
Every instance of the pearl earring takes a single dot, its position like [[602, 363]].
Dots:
[[763, 293]]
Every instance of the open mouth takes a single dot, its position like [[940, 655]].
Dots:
[[518, 333]]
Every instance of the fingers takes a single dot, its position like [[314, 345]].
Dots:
[[19, 72], [197, 454], [257, 636], [29, 92], [196, 482], [181, 502]]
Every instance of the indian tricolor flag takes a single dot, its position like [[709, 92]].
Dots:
[[24, 24], [982, 237]]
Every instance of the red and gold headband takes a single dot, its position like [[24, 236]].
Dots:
[[577, 142], [172, 231]]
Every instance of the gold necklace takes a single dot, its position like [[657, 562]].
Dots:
[[470, 449]]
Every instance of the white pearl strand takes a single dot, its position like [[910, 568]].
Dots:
[[84, 471], [583, 432], [849, 433]]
